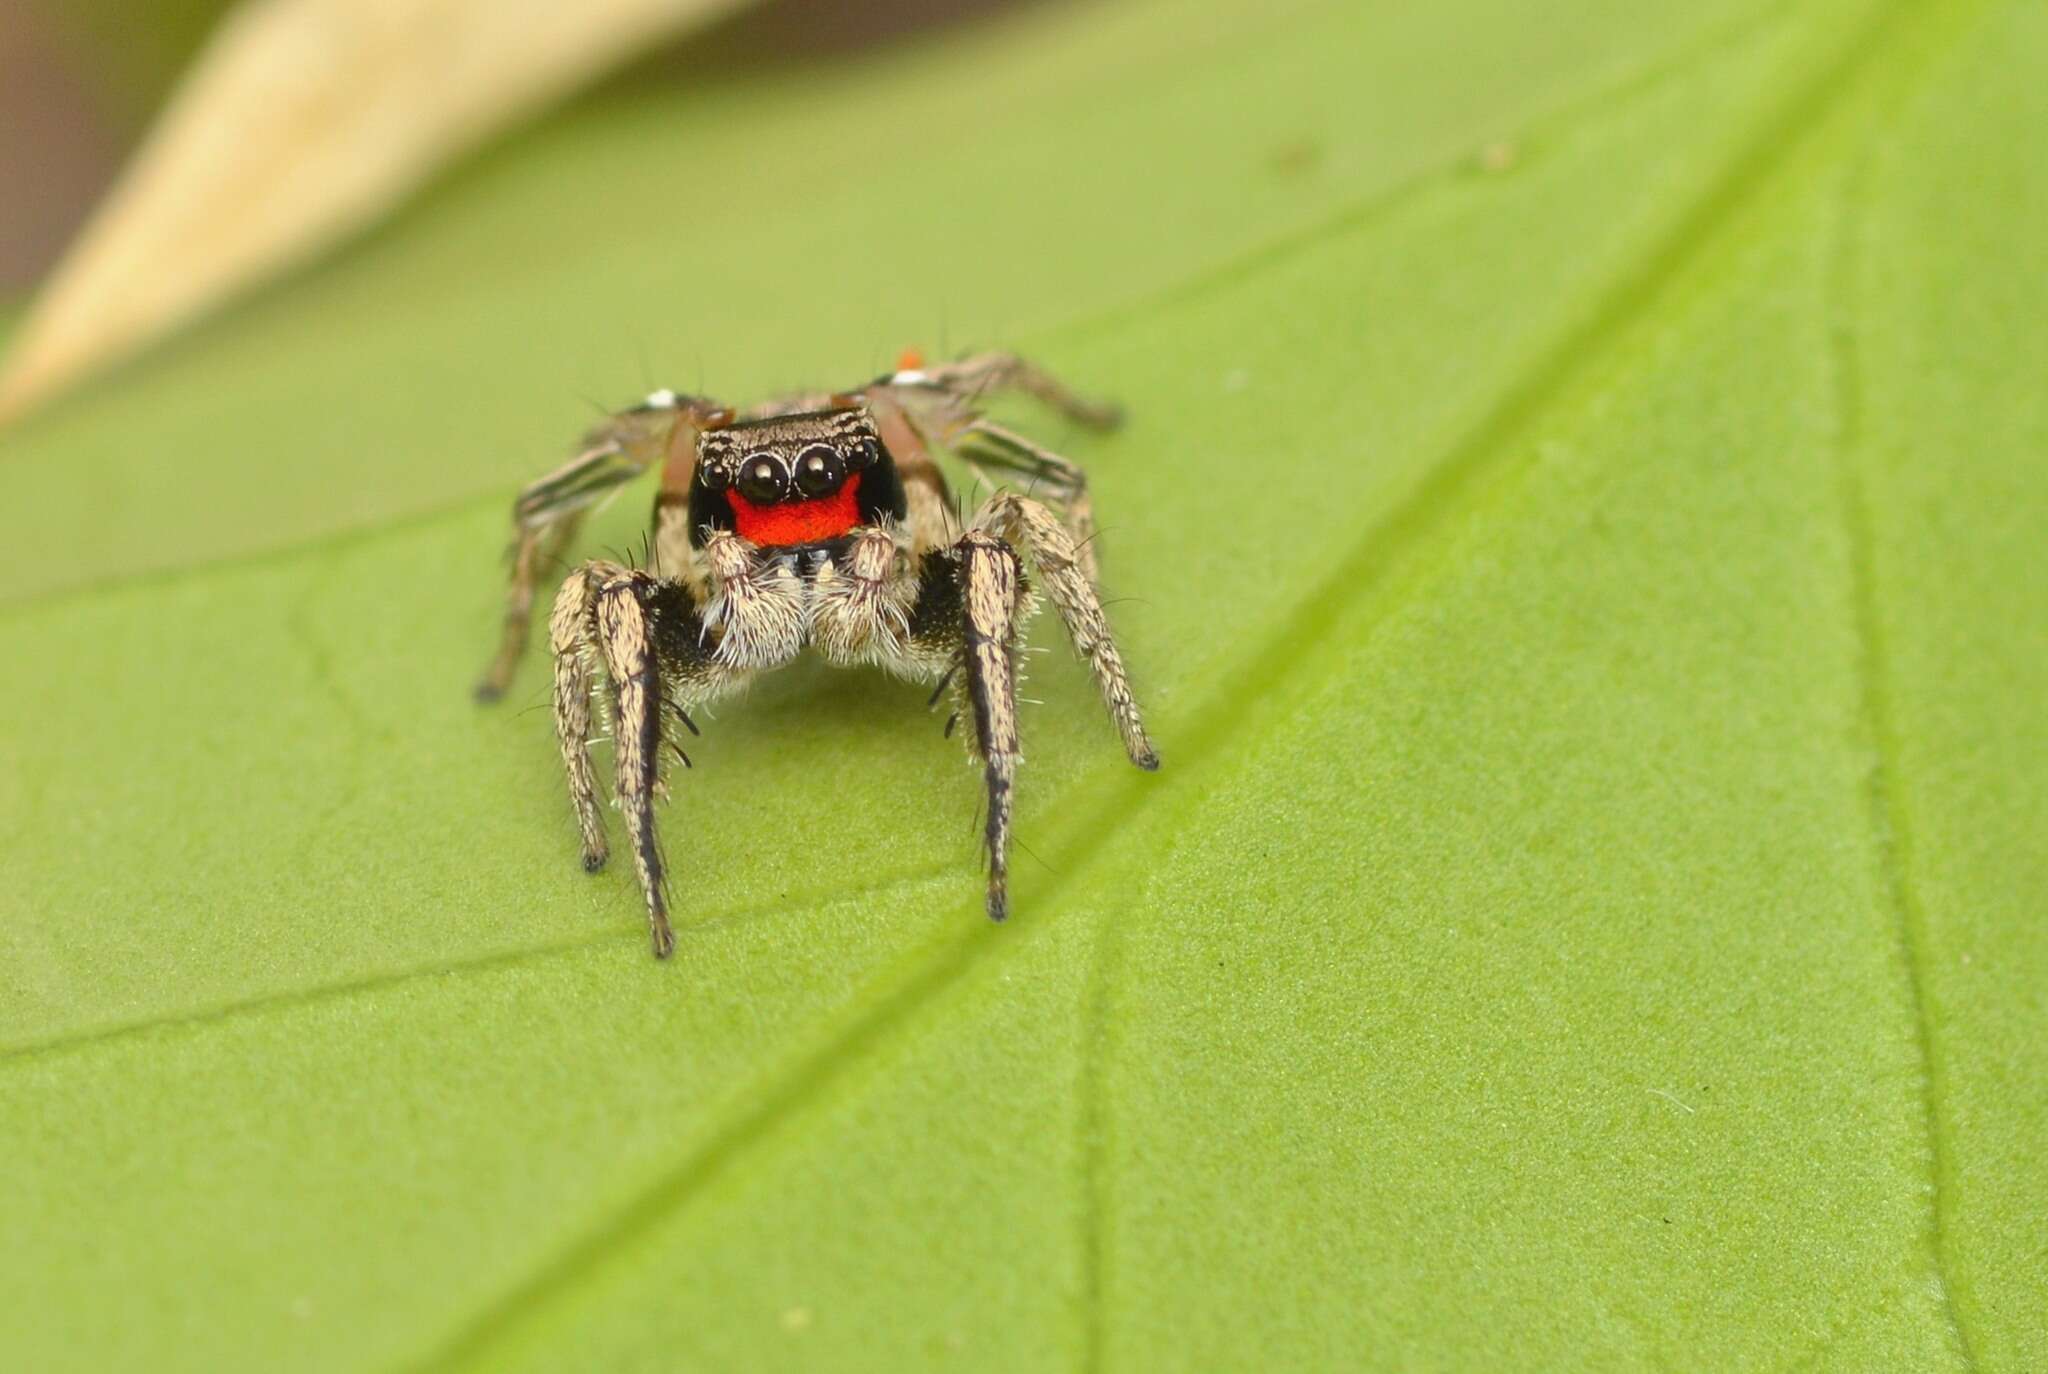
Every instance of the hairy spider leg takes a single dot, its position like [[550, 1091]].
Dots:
[[985, 374], [647, 635], [991, 597], [547, 512], [1028, 524], [983, 444]]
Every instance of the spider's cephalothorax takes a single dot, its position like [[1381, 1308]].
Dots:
[[821, 523], [794, 479]]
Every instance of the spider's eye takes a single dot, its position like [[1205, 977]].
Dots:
[[819, 471], [762, 481]]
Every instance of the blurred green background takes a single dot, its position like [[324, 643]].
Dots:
[[1578, 540]]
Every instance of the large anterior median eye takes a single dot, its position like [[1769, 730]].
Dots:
[[819, 471], [762, 480]]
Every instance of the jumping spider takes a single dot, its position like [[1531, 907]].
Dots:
[[810, 522]]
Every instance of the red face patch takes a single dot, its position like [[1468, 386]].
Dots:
[[797, 522]]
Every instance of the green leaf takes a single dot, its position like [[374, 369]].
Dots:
[[1579, 543]]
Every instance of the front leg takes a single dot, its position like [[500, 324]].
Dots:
[[635, 671], [648, 637], [572, 636], [991, 594]]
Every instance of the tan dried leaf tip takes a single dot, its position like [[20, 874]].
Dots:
[[302, 121]]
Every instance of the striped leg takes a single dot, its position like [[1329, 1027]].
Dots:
[[984, 444], [1029, 525], [546, 515], [991, 590], [631, 663], [985, 374], [533, 548], [647, 635], [572, 631], [544, 518]]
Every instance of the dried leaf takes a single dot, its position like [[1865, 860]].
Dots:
[[302, 121]]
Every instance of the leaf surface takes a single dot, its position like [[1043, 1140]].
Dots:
[[1579, 542]]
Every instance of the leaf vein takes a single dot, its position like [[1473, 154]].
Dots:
[[285, 1000], [1883, 785]]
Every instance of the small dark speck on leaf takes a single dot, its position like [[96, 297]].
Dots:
[[1501, 155], [1296, 157]]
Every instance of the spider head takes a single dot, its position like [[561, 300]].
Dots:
[[794, 479]]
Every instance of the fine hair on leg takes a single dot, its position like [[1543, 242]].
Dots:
[[981, 375], [1062, 482], [1028, 524], [572, 636], [549, 509], [992, 587], [631, 663], [647, 638]]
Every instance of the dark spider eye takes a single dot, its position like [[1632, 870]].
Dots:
[[819, 471], [762, 481], [864, 454]]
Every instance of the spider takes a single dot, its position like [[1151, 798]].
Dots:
[[812, 522]]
